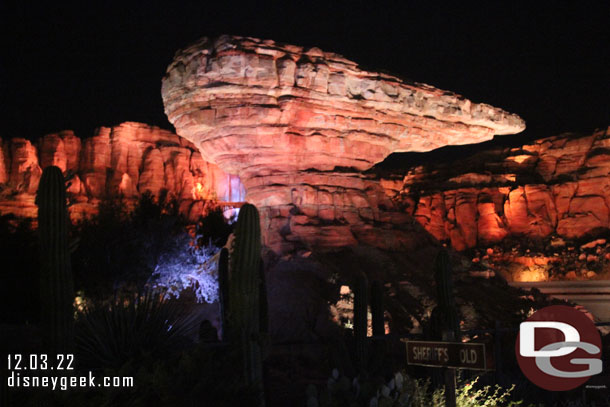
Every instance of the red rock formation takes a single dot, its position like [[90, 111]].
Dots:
[[299, 125], [25, 172], [127, 160], [4, 171], [556, 185]]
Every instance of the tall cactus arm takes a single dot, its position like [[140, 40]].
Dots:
[[223, 291], [57, 286], [245, 294]]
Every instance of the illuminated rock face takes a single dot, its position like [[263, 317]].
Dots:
[[299, 125], [557, 185], [4, 171], [128, 160]]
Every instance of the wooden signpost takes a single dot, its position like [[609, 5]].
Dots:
[[448, 355], [454, 355]]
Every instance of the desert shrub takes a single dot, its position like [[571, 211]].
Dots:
[[403, 391], [110, 333], [213, 228], [120, 250], [187, 267]]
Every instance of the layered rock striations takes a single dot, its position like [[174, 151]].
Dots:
[[298, 126], [553, 186], [127, 160]]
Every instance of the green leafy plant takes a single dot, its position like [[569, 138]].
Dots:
[[468, 394], [403, 391]]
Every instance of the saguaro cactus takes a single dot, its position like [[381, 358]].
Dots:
[[262, 300], [245, 294], [57, 286], [223, 291], [445, 319], [360, 320]]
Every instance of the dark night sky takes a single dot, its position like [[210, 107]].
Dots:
[[101, 63]]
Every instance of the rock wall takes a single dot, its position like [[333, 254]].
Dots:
[[553, 186], [300, 125], [129, 160]]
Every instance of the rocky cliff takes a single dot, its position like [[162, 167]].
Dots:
[[300, 125], [549, 198], [556, 185], [129, 160]]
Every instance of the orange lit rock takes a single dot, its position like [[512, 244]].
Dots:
[[128, 160], [52, 151], [531, 274], [95, 162], [178, 177], [4, 165], [152, 178], [593, 244], [300, 125], [561, 186], [530, 211], [585, 214], [25, 171], [530, 261], [60, 149], [490, 225], [431, 214]]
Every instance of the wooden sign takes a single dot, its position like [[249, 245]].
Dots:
[[447, 354]]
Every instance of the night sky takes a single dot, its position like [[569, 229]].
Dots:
[[101, 63]]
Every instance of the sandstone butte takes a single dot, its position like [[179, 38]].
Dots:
[[299, 126], [129, 160], [553, 186], [556, 185]]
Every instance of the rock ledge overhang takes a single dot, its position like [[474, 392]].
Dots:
[[299, 125]]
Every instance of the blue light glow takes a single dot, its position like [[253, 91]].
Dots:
[[189, 267]]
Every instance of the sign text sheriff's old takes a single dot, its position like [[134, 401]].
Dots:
[[447, 354]]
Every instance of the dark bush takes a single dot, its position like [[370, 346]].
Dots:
[[214, 228], [119, 250], [19, 275], [132, 328]]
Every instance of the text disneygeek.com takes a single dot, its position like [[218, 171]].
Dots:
[[19, 367], [17, 380]]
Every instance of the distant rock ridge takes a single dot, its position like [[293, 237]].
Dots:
[[300, 125], [552, 186], [129, 160]]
